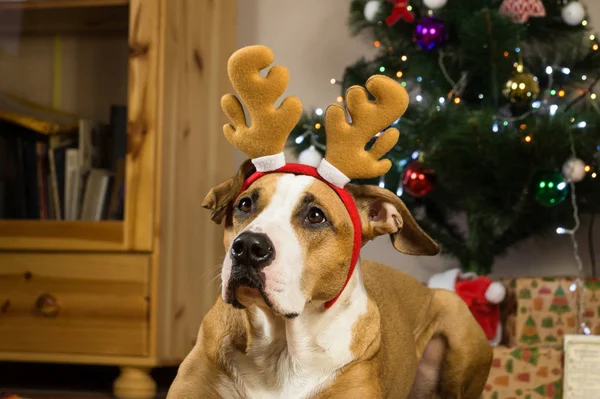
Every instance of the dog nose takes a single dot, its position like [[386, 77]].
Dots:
[[252, 249]]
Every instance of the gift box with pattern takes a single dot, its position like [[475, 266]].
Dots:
[[527, 373], [540, 311]]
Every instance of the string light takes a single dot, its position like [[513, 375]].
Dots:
[[442, 100], [457, 100], [584, 22], [549, 70], [299, 139], [520, 68], [382, 69], [592, 37], [583, 77], [506, 53], [317, 125], [553, 109], [587, 168], [566, 71], [376, 43], [404, 58], [552, 92], [595, 47], [319, 111], [594, 175], [495, 127], [536, 104], [505, 123], [409, 8], [339, 99], [333, 81], [528, 139], [419, 98], [480, 96], [381, 182], [403, 84], [517, 50], [582, 124], [399, 74], [419, 79], [561, 93], [562, 230]]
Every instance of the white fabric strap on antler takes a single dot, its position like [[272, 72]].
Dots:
[[332, 174], [269, 163]]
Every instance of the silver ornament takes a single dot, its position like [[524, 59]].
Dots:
[[574, 170]]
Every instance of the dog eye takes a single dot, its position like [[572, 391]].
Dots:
[[315, 216], [245, 205]]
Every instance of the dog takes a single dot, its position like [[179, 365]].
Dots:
[[300, 315]]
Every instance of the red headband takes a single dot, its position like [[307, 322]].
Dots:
[[299, 169]]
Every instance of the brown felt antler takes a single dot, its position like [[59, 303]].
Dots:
[[269, 126], [346, 141]]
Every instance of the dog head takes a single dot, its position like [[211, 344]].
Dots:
[[289, 238]]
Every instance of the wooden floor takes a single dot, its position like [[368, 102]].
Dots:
[[60, 381]]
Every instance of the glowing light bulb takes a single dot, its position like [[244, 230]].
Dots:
[[536, 104], [332, 81], [583, 77], [381, 182], [517, 50], [549, 70], [528, 139], [457, 100], [561, 231], [595, 47], [584, 22], [419, 98], [399, 191], [553, 109], [480, 96], [587, 168], [339, 99], [317, 125], [299, 139], [506, 53], [581, 124], [376, 43], [415, 155], [593, 96], [441, 100], [382, 69], [419, 79], [319, 111], [592, 37], [404, 58], [399, 74], [573, 286], [561, 93], [495, 127], [561, 186], [594, 175], [566, 71]]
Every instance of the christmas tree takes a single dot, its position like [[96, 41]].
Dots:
[[530, 334], [560, 305], [503, 122]]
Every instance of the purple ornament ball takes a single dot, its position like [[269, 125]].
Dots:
[[430, 33]]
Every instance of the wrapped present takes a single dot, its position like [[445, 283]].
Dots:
[[540, 311], [525, 373]]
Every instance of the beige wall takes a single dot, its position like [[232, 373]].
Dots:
[[311, 38]]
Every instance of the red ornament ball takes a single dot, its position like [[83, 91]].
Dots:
[[418, 179]]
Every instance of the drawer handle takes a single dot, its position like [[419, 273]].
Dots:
[[47, 305]]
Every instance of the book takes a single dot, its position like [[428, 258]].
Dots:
[[95, 195], [72, 184], [57, 164]]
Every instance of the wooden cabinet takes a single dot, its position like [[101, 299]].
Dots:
[[128, 292]]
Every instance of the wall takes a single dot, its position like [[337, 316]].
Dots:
[[311, 38]]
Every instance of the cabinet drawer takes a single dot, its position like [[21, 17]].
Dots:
[[74, 303]]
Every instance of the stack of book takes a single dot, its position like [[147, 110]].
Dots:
[[54, 166]]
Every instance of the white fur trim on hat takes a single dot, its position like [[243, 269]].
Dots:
[[269, 163], [495, 293], [332, 174], [445, 280]]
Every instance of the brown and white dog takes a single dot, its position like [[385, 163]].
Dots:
[[295, 320], [289, 239]]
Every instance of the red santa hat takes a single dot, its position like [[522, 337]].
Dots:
[[480, 293]]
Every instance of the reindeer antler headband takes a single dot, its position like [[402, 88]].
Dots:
[[263, 140]]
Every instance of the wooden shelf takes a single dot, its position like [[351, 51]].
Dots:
[[67, 17], [47, 4], [56, 235]]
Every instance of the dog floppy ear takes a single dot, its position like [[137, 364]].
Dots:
[[219, 197], [382, 212]]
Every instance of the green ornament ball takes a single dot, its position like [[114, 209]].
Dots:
[[550, 188]]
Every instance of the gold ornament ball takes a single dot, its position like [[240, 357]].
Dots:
[[522, 88]]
